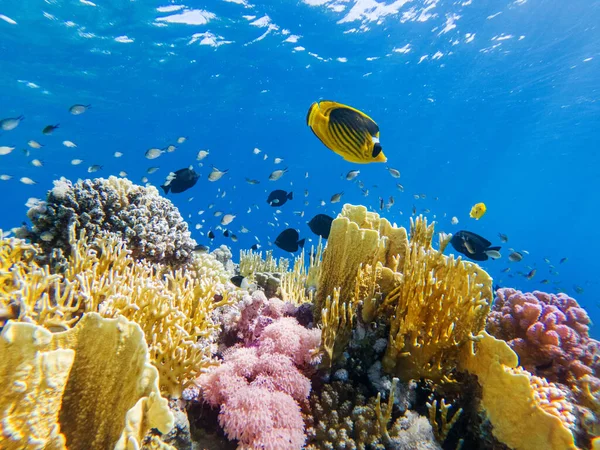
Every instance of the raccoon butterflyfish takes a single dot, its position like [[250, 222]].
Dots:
[[477, 211], [347, 131]]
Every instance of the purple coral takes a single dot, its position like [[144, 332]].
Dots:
[[549, 333], [259, 388]]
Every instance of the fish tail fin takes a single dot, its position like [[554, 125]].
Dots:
[[165, 187], [301, 243], [88, 106], [290, 196], [21, 117]]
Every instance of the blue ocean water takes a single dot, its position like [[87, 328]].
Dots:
[[494, 102]]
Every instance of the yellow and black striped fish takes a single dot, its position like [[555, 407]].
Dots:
[[347, 131]]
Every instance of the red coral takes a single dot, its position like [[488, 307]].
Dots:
[[549, 333]]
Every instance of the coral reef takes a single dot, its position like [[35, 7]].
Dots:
[[549, 333], [432, 286], [260, 387], [54, 399], [517, 402], [149, 224], [375, 342], [173, 308], [409, 286], [342, 415]]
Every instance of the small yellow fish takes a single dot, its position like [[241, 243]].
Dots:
[[346, 131], [477, 211]]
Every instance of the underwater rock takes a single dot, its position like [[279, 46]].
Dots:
[[269, 282], [223, 255]]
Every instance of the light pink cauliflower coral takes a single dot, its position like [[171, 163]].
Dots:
[[549, 333], [259, 388]]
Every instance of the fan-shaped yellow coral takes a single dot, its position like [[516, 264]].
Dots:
[[511, 398], [78, 388]]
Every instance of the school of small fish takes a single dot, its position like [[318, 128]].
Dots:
[[347, 131]]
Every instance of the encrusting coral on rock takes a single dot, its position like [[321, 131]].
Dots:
[[149, 224]]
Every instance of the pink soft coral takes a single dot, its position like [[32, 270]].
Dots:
[[259, 388], [549, 333]]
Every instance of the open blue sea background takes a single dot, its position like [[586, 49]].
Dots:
[[495, 102]]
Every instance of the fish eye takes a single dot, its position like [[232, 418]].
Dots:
[[376, 150]]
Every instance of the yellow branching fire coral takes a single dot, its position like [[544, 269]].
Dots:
[[337, 319], [515, 401], [431, 302], [251, 262], [173, 308], [298, 285], [439, 302], [78, 388]]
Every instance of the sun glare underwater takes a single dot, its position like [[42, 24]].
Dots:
[[255, 126]]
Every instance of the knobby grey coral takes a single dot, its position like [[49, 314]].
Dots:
[[149, 224]]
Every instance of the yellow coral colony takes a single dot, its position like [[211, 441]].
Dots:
[[173, 308], [439, 302], [431, 302], [89, 387], [357, 237], [510, 398]]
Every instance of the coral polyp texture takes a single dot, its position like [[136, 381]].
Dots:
[[150, 225], [549, 333]]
